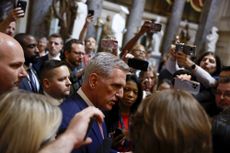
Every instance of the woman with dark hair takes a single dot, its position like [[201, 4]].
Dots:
[[206, 69], [214, 66], [118, 118]]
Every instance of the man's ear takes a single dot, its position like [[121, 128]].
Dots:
[[66, 53], [93, 80], [45, 83]]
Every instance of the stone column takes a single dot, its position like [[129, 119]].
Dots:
[[38, 22], [134, 20], [95, 5], [173, 24], [209, 18]]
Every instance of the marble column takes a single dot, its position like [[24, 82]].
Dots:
[[38, 21], [95, 5], [173, 24], [135, 18]]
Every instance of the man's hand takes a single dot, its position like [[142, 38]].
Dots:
[[16, 14], [145, 27]]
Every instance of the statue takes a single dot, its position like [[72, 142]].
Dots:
[[65, 11], [82, 12], [118, 24], [211, 40], [184, 34], [157, 39], [107, 27]]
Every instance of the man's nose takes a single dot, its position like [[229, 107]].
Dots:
[[22, 73], [36, 50], [68, 82], [119, 93]]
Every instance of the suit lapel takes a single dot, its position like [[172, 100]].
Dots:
[[96, 131], [95, 128]]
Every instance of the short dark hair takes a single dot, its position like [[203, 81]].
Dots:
[[56, 35], [20, 37], [68, 44], [221, 132], [49, 65]]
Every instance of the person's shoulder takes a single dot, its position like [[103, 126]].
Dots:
[[72, 100], [73, 104]]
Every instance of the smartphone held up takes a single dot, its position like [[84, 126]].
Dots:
[[22, 4], [90, 12]]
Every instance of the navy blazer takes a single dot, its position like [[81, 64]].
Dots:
[[26, 83], [70, 107]]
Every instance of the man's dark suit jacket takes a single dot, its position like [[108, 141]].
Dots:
[[29, 84], [70, 107]]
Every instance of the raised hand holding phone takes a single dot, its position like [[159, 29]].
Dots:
[[22, 4]]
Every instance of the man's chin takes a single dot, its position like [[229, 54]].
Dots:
[[109, 106], [15, 87]]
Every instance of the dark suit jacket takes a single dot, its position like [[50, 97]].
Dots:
[[25, 84], [28, 84], [70, 107]]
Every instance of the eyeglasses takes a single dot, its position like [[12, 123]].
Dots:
[[225, 94]]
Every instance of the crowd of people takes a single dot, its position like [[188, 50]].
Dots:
[[72, 96]]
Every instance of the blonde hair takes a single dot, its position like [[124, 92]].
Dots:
[[27, 121], [171, 121]]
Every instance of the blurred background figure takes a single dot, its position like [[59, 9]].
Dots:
[[8, 25], [82, 11], [107, 27], [119, 27], [149, 81], [211, 40], [42, 46]]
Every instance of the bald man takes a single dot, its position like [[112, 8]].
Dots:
[[11, 63]]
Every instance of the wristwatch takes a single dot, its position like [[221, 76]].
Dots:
[[193, 66]]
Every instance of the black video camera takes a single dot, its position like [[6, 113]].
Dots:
[[187, 49]]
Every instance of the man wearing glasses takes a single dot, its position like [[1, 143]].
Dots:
[[223, 89], [74, 51]]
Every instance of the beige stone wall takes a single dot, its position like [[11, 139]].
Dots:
[[223, 44]]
